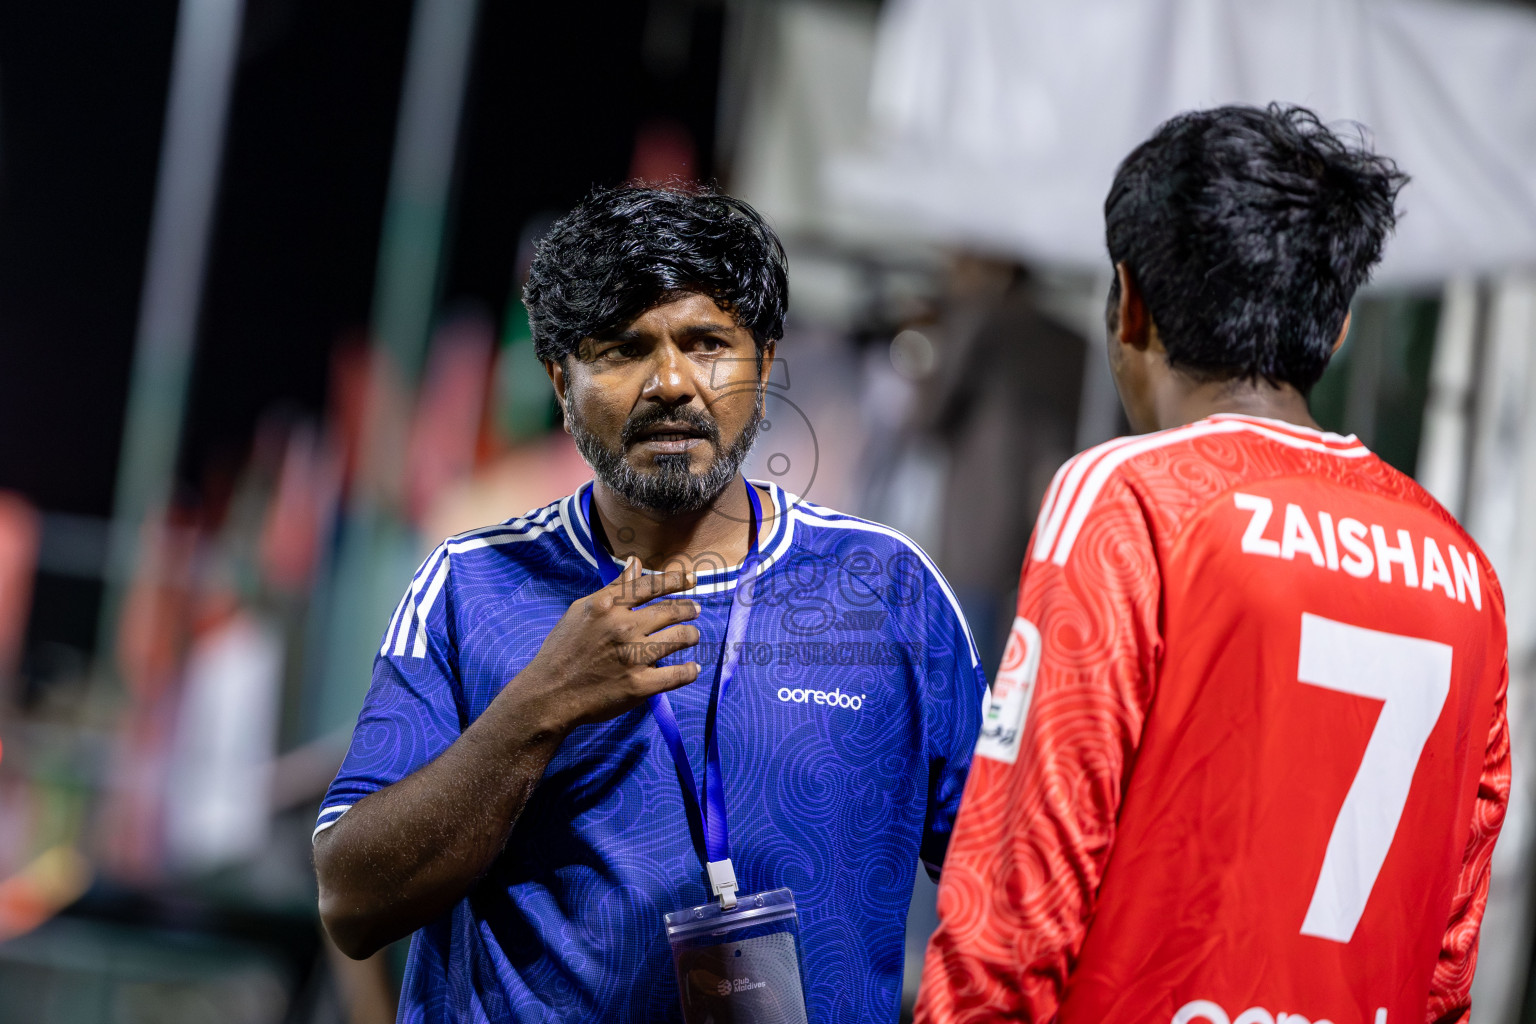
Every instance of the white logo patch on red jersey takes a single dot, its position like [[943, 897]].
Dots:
[[1007, 703]]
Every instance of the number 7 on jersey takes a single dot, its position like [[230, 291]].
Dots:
[[1412, 677]]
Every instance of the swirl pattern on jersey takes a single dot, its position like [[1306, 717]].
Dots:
[[1077, 888], [833, 797]]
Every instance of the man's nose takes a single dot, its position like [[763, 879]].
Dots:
[[672, 380]]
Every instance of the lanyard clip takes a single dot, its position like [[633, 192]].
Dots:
[[722, 882]]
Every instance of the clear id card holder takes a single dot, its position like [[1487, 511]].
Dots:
[[739, 966]]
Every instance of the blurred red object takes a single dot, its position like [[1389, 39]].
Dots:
[[19, 535], [153, 631], [525, 477], [350, 374], [58, 877], [366, 394], [445, 432], [303, 504]]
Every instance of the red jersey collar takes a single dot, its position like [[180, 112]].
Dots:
[[1294, 429]]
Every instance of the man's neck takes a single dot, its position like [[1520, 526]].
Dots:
[[1187, 401], [714, 537]]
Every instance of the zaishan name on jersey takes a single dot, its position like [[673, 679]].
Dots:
[[1360, 559], [1247, 754]]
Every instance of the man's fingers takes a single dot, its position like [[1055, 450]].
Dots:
[[622, 589], [670, 677], [638, 590], [657, 646], [665, 613]]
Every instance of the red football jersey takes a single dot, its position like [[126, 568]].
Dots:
[[1247, 754]]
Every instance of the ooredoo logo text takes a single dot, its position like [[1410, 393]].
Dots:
[[835, 698]]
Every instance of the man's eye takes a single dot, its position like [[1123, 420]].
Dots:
[[628, 350], [709, 343]]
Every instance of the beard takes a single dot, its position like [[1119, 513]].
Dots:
[[669, 486]]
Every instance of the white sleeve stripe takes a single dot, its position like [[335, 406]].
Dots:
[[1082, 502], [405, 624], [1050, 497], [933, 570], [438, 553], [470, 544], [514, 530], [420, 650], [389, 634], [1079, 466], [430, 565], [522, 522], [338, 810], [416, 605]]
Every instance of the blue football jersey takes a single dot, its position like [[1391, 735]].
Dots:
[[844, 738]]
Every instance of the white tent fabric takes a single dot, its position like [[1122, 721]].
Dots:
[[1000, 123], [1500, 428]]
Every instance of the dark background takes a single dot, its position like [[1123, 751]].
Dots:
[[556, 96]]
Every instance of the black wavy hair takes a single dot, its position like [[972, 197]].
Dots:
[[1247, 232], [623, 250]]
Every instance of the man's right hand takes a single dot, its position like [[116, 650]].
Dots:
[[405, 854], [599, 660]]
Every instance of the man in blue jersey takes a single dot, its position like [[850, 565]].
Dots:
[[509, 795]]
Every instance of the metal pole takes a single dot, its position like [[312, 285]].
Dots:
[[421, 173], [202, 72], [373, 564], [415, 214]]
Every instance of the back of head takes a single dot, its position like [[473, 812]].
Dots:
[[623, 250], [1247, 232]]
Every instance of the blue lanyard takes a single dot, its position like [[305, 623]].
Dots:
[[706, 818]]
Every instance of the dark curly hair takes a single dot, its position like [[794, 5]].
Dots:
[[1247, 232], [623, 250]]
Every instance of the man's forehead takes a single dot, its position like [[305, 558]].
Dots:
[[676, 313]]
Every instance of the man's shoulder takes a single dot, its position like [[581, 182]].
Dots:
[[492, 562], [506, 554], [825, 531], [1170, 475], [522, 534], [882, 559]]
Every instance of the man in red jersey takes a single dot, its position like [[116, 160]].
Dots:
[[1247, 755]]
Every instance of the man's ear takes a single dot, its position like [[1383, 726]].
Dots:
[[1135, 323], [1338, 342], [766, 370], [556, 371]]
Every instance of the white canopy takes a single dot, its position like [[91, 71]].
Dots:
[[1000, 122]]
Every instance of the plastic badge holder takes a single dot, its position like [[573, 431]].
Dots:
[[739, 966]]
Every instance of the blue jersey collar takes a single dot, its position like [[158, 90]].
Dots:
[[770, 544]]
